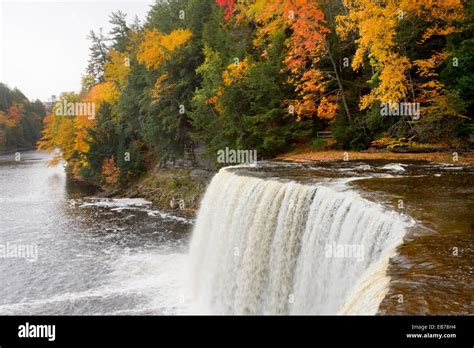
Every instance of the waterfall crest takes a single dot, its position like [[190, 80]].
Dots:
[[263, 246]]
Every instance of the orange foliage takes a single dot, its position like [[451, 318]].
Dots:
[[327, 108], [13, 115], [110, 171], [98, 94], [305, 48], [305, 156]]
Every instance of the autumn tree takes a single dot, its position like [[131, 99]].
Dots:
[[172, 62], [242, 100], [60, 133], [306, 52], [391, 37], [261, 75]]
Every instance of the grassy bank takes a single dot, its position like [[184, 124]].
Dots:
[[178, 189]]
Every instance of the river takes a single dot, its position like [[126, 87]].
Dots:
[[94, 256], [259, 243]]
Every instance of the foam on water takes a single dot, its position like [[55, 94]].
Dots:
[[155, 279]]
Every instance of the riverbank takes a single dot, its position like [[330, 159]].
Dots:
[[305, 156], [20, 150], [179, 189]]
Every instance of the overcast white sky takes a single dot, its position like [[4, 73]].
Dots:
[[43, 44]]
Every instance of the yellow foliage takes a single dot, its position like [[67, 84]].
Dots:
[[442, 15], [235, 72], [70, 133], [46, 141], [377, 22], [59, 132], [117, 69], [98, 94], [426, 66], [156, 47], [159, 86], [103, 92]]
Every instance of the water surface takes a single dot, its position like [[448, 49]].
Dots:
[[101, 256], [94, 256]]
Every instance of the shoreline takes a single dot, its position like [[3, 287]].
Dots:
[[184, 186], [161, 186], [13, 151], [307, 156]]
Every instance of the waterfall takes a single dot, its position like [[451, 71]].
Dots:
[[264, 246]]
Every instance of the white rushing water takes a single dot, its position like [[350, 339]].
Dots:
[[262, 246]]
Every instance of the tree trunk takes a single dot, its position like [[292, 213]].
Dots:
[[341, 88]]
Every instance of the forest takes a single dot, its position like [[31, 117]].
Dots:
[[200, 76], [21, 121]]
